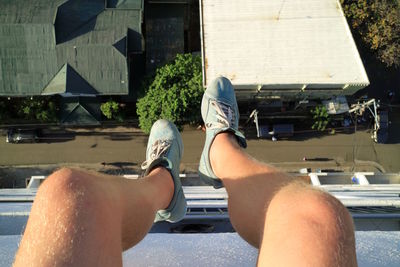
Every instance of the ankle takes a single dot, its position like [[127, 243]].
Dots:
[[222, 145], [163, 184]]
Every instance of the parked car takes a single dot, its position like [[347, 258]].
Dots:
[[23, 135]]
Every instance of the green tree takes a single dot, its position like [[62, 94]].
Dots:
[[377, 23], [175, 94], [42, 109], [111, 110], [321, 118]]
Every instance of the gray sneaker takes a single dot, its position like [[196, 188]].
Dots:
[[165, 148], [220, 114]]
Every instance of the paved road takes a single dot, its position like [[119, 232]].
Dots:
[[129, 148]]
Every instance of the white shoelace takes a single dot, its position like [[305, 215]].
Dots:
[[158, 149], [225, 116]]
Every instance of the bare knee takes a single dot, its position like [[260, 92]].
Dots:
[[303, 214], [63, 182], [330, 217], [62, 178], [67, 188], [314, 206], [69, 213], [71, 197]]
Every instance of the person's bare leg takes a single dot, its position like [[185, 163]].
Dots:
[[85, 219], [290, 222]]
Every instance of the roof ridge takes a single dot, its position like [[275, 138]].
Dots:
[[79, 105], [69, 113], [55, 75]]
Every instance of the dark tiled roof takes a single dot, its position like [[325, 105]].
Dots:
[[80, 111], [39, 38], [125, 4]]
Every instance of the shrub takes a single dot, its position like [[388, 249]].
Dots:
[[377, 23], [111, 110], [175, 94], [35, 109], [42, 109], [321, 118]]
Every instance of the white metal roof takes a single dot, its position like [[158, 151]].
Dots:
[[280, 44]]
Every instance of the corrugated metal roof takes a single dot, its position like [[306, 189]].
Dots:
[[30, 59], [168, 1], [27, 57], [164, 34], [73, 15], [80, 111], [108, 27], [125, 4], [290, 44], [58, 85], [79, 116], [25, 12]]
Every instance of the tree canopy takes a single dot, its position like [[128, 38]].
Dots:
[[377, 23], [174, 93]]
